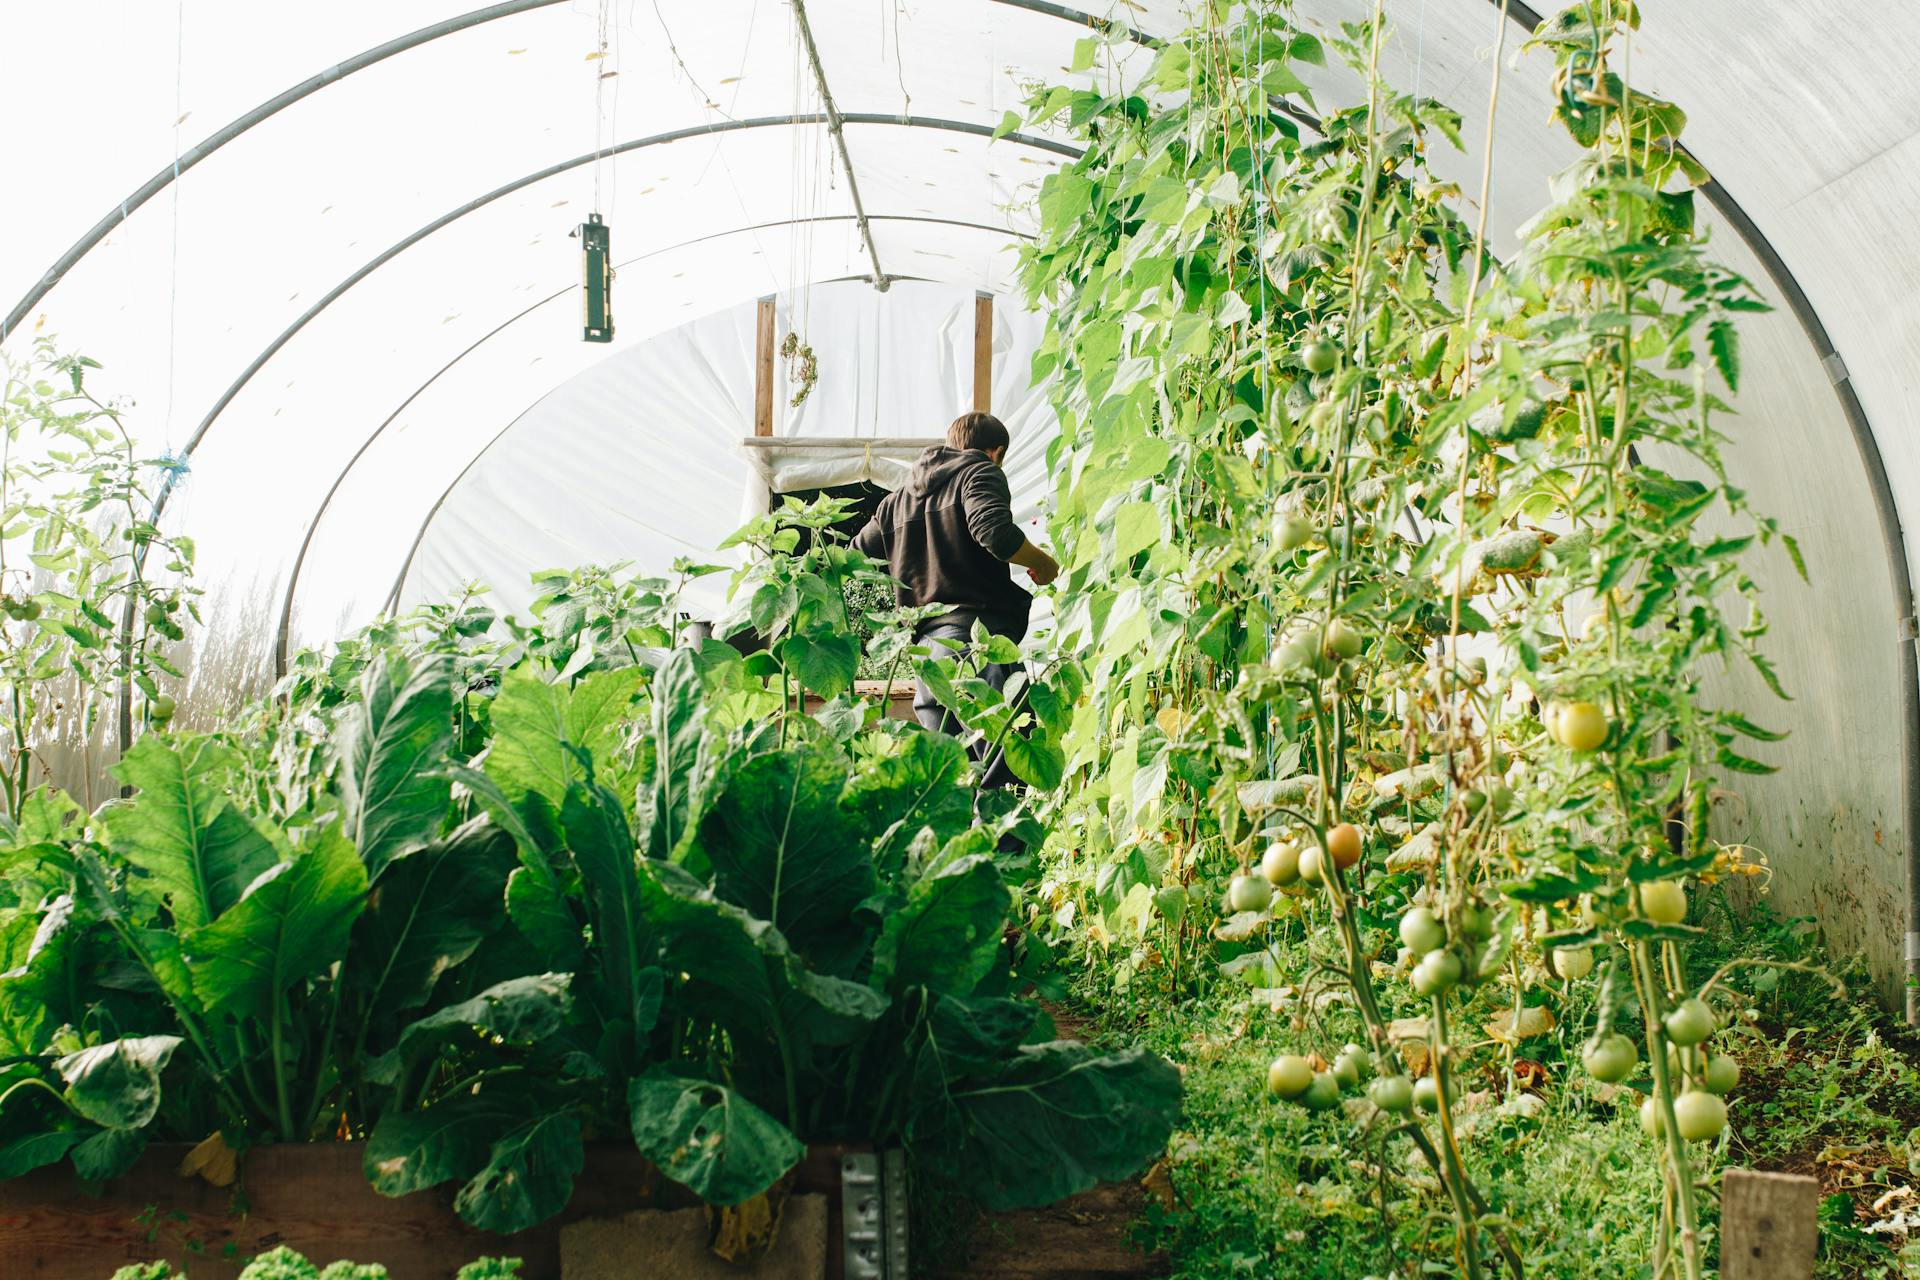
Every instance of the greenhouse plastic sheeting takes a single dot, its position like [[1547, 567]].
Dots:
[[640, 458], [1805, 114]]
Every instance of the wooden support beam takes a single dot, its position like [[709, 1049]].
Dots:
[[983, 352], [763, 370], [1769, 1225]]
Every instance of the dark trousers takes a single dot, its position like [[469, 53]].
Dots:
[[958, 637]]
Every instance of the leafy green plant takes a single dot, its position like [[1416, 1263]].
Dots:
[[1394, 571], [282, 1263], [88, 618]]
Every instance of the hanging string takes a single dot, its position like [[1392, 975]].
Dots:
[[600, 77], [173, 263]]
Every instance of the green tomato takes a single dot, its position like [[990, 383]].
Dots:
[[1290, 533], [1476, 921], [1650, 1117], [1438, 971], [1352, 1066], [1721, 1075], [1393, 1094], [1573, 962], [1610, 1058], [1422, 931], [160, 710], [1289, 1075], [1699, 1115], [1342, 640], [1249, 893], [1502, 797], [1689, 1022], [1426, 1093], [1323, 1094], [1310, 859], [1318, 356], [1579, 725], [1663, 901], [1281, 865]]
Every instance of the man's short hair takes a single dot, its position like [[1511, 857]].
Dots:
[[978, 430]]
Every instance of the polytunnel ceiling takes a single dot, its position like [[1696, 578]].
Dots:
[[360, 187], [389, 218]]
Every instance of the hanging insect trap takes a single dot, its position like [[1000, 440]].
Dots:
[[596, 285]]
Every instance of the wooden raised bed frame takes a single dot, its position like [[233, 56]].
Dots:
[[314, 1198]]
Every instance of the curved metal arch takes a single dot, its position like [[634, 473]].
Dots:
[[341, 70], [1886, 509], [282, 632], [479, 202], [240, 124]]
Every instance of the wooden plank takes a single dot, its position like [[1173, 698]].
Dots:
[[313, 1197], [763, 369], [1769, 1225], [983, 352]]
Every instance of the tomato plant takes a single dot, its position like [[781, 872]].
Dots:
[[1408, 558]]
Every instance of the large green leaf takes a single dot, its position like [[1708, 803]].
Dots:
[[781, 846], [38, 986], [541, 730], [517, 1156], [521, 1011], [708, 1138], [916, 781], [291, 924], [430, 912], [117, 1084], [603, 851], [741, 972], [392, 742], [197, 851], [108, 1153], [528, 1176], [539, 892], [1050, 1121], [410, 1151], [948, 934], [36, 1150], [668, 808]]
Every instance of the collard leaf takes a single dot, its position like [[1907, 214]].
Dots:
[[117, 1084], [708, 1138], [541, 732], [916, 781], [948, 934], [528, 1176], [521, 1011], [197, 852], [603, 850], [37, 1150], [292, 923], [1048, 1122], [781, 847], [410, 1151], [667, 809], [108, 1153], [430, 912], [392, 741], [741, 972]]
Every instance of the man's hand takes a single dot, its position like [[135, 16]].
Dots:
[[1039, 565]]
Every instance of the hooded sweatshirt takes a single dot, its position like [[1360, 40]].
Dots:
[[947, 534]]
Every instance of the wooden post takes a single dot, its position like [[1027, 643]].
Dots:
[[763, 370], [1769, 1225], [983, 352]]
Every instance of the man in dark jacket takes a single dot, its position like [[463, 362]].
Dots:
[[948, 536]]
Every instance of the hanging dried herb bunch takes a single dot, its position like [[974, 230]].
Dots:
[[801, 367]]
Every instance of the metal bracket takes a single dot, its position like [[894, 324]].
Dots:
[[1836, 368], [1908, 627], [873, 1215]]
